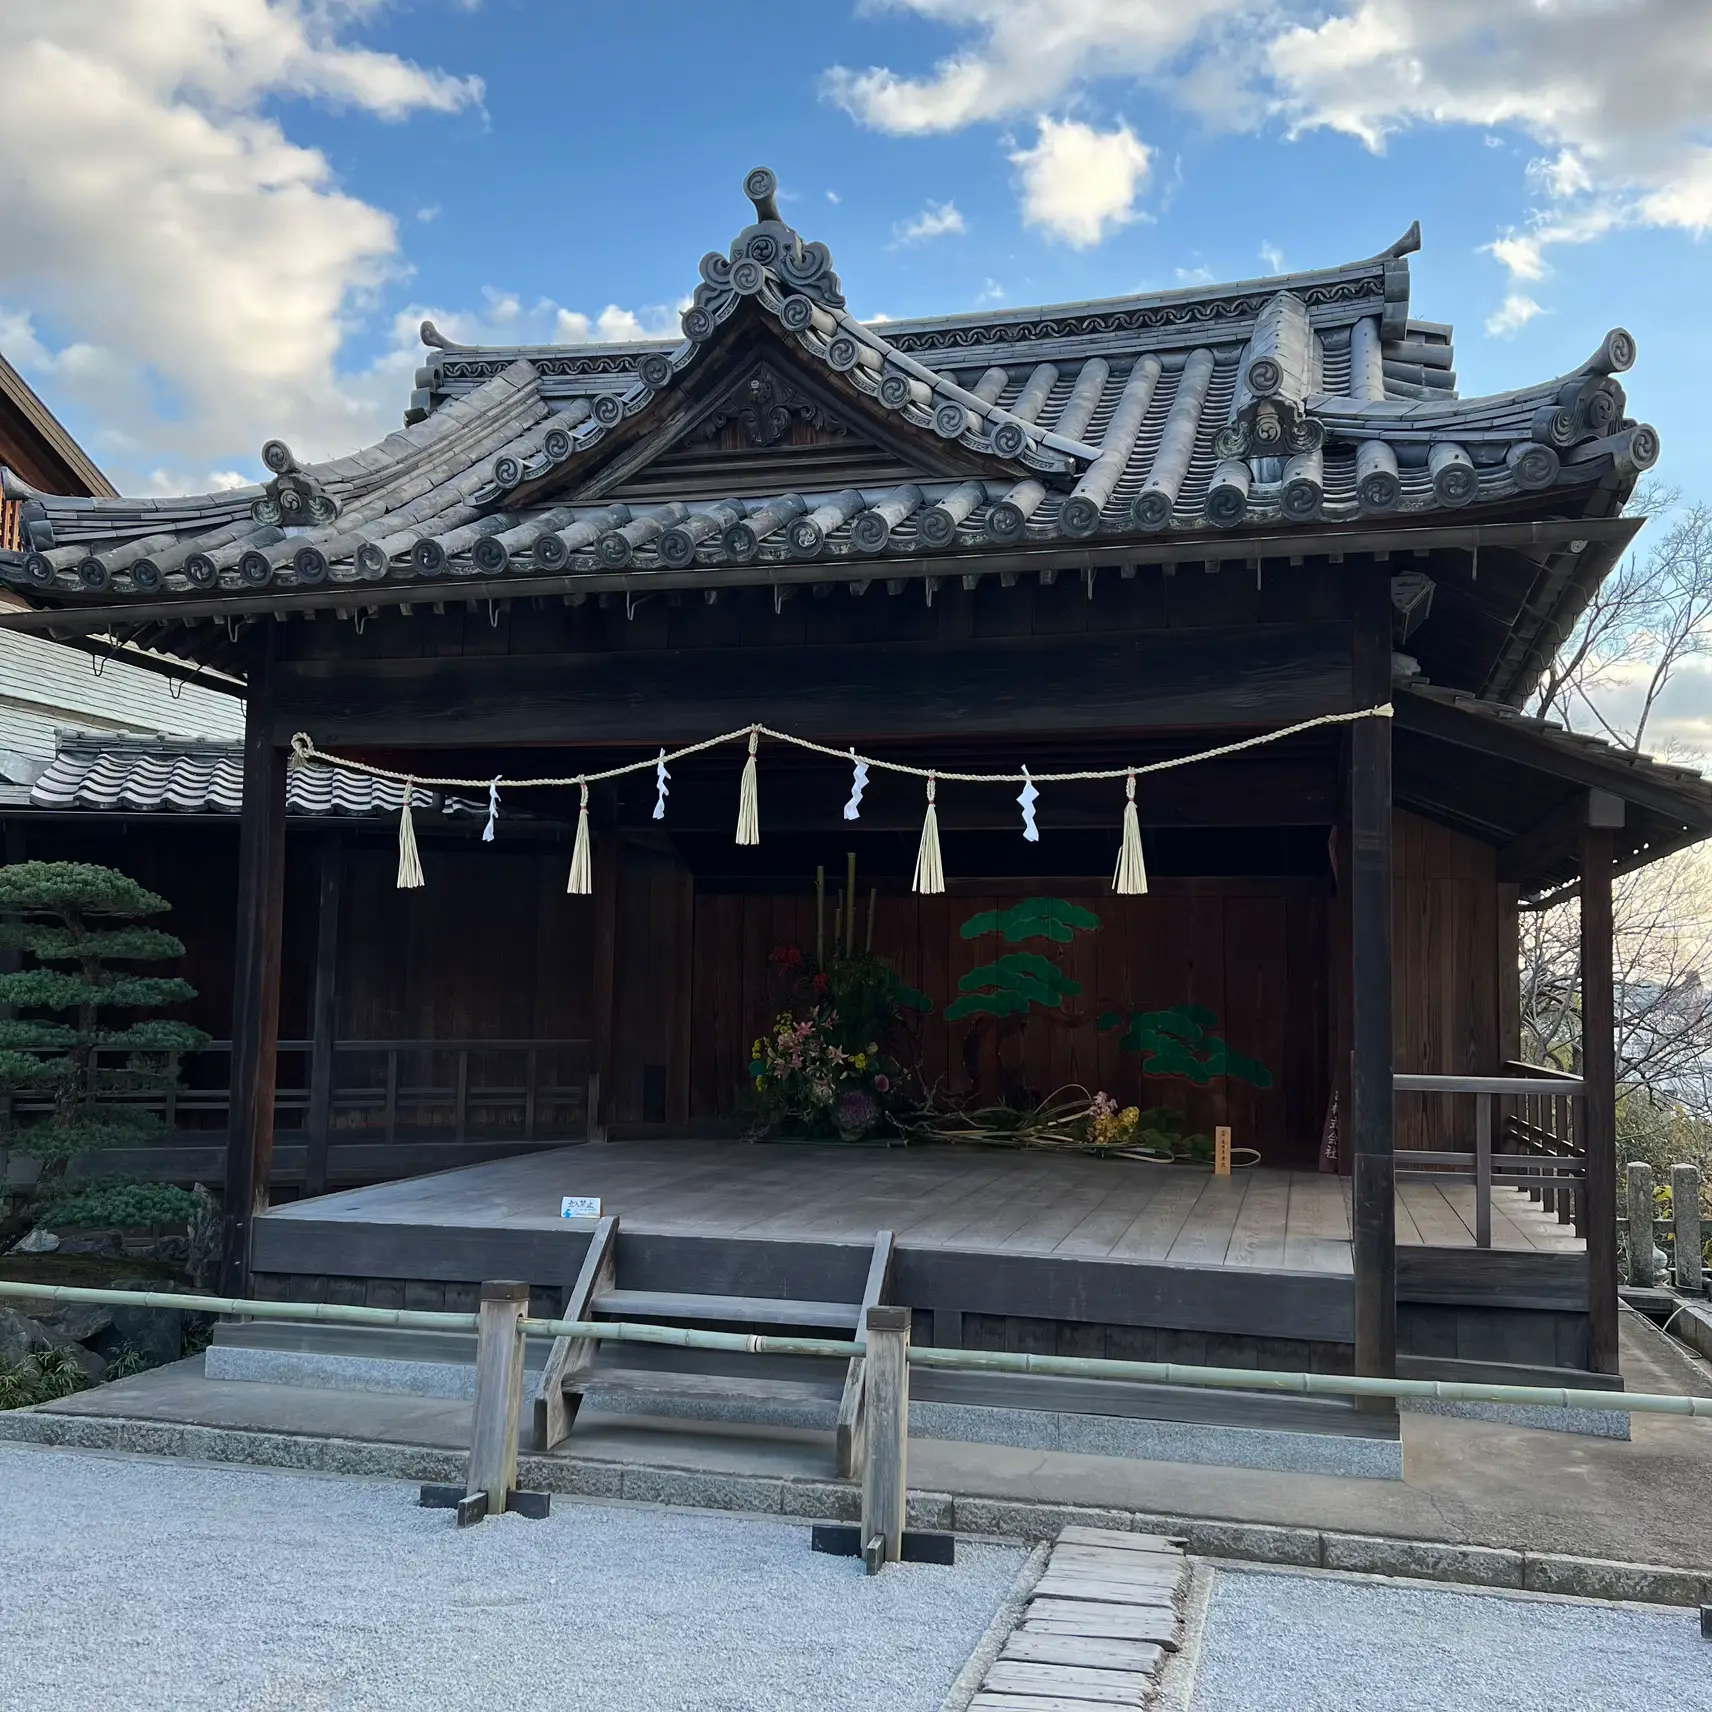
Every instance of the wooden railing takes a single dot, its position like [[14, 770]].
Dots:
[[11, 526], [399, 1087], [385, 1108], [1527, 1127]]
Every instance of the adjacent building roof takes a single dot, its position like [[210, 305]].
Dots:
[[35, 444], [780, 428], [169, 777]]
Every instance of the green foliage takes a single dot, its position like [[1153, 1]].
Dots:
[[118, 1204], [60, 945], [1010, 985], [71, 1073], [1034, 918], [54, 990], [61, 889], [1181, 1042], [126, 1361], [42, 1378]]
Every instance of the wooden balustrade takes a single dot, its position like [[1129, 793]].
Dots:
[[405, 1105], [1527, 1128], [11, 526]]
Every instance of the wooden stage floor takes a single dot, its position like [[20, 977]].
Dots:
[[1016, 1204]]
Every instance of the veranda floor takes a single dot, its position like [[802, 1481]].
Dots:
[[959, 1198]]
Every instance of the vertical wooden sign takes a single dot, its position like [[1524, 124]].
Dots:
[[1221, 1151]]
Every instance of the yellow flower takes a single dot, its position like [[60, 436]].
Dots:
[[860, 1060]]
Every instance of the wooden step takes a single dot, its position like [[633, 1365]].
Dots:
[[743, 1388], [742, 1310]]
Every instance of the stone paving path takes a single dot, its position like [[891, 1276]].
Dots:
[[1096, 1627]]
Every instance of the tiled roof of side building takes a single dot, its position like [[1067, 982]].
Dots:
[[180, 777], [1315, 397]]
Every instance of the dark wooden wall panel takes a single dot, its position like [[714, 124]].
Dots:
[[1453, 941], [491, 947]]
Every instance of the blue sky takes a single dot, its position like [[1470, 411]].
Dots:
[[272, 192]]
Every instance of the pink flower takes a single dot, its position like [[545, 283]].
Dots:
[[882, 1084]]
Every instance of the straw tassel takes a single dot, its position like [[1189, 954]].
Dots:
[[929, 869], [1130, 880], [581, 882], [749, 797], [409, 863]]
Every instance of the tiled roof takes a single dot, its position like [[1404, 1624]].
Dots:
[[1314, 397], [1693, 785], [206, 778]]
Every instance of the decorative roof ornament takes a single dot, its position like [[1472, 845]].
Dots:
[[769, 252]]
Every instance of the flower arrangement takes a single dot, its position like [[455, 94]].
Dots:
[[825, 1069]]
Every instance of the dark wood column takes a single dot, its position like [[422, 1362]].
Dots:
[[323, 1013], [1371, 1102], [255, 987], [608, 865], [1599, 1070]]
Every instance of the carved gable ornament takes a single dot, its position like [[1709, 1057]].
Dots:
[[764, 405]]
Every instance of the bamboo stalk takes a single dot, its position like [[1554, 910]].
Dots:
[[873, 898], [820, 917], [974, 1360], [850, 894], [328, 1313]]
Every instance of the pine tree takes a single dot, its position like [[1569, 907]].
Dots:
[[73, 1047]]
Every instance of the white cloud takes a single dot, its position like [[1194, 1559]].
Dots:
[[990, 293], [1271, 257], [1079, 183], [1194, 275], [936, 220], [834, 198], [504, 319], [1514, 313], [1616, 91], [1026, 55], [191, 253], [429, 213]]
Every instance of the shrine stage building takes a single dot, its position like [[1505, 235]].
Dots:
[[1088, 538]]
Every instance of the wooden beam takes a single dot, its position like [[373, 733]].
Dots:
[[1371, 1114], [255, 986], [1599, 1107], [1145, 551], [1525, 859], [1211, 678], [323, 1011]]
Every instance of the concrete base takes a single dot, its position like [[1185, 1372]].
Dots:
[[1364, 1458], [1595, 1423], [1161, 1441]]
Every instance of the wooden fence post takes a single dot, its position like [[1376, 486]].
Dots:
[[499, 1401], [885, 1477], [1641, 1271], [1685, 1211]]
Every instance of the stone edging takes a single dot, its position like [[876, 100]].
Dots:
[[835, 1500]]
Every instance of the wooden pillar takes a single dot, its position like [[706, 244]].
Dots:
[[1371, 1101], [323, 1014], [1599, 1070], [255, 986], [885, 1473], [608, 867]]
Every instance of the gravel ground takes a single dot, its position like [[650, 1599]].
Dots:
[[173, 1586], [1286, 1643]]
